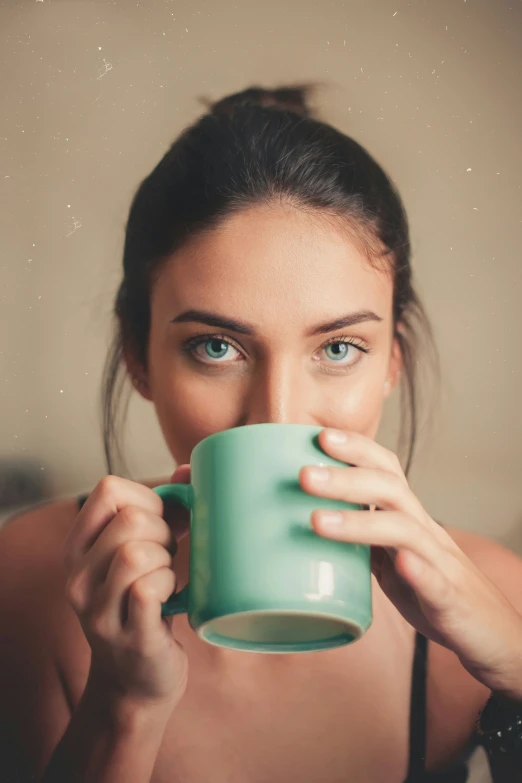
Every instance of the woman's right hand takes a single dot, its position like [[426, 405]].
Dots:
[[118, 557]]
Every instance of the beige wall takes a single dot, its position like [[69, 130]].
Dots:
[[431, 88]]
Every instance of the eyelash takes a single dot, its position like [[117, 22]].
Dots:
[[348, 341], [194, 342]]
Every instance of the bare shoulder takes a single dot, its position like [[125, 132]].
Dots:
[[34, 709], [31, 552], [25, 534]]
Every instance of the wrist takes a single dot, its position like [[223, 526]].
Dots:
[[124, 714], [507, 687], [503, 677]]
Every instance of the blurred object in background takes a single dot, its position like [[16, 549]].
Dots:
[[23, 483]]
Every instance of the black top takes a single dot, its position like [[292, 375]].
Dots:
[[417, 773]]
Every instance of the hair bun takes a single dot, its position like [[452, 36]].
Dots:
[[294, 99]]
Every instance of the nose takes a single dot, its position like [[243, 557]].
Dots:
[[277, 395]]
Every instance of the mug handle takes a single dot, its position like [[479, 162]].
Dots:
[[184, 494]]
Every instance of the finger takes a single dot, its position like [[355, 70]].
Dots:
[[145, 598], [109, 497], [181, 475], [132, 562], [356, 449], [362, 486], [130, 524], [387, 529]]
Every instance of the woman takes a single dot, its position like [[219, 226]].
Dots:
[[266, 279]]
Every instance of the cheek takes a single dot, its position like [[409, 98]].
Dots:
[[189, 410], [359, 407]]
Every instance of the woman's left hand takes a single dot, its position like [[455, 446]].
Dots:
[[434, 585]]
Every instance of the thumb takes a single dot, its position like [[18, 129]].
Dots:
[[181, 475]]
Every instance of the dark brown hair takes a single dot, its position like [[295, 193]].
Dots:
[[253, 147]]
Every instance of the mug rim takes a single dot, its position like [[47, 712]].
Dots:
[[352, 628], [264, 425]]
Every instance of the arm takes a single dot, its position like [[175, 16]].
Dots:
[[107, 742]]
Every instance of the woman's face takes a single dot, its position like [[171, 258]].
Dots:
[[274, 317]]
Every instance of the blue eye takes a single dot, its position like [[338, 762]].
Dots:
[[216, 348], [213, 349], [338, 351]]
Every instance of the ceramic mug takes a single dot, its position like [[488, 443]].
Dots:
[[260, 578]]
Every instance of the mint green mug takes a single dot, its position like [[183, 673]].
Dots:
[[260, 578]]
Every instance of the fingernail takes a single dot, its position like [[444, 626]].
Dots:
[[331, 518], [319, 474], [336, 436]]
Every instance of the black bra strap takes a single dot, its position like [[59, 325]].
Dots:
[[417, 762]]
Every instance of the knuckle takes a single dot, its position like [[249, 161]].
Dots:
[[170, 586], [131, 554], [142, 590], [75, 591], [165, 584], [166, 531], [99, 625], [391, 487], [395, 463], [170, 578], [157, 585], [159, 530], [108, 486], [159, 555], [164, 557], [132, 519]]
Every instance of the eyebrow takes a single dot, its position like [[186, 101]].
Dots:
[[345, 321], [231, 324]]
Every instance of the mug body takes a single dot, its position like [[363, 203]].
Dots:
[[260, 578]]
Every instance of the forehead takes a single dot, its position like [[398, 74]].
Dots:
[[275, 263]]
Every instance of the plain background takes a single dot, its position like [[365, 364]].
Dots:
[[93, 93]]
